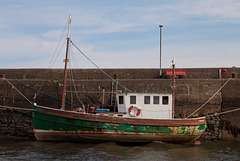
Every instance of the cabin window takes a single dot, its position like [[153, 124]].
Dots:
[[120, 99], [165, 100], [156, 100], [132, 99], [146, 99]]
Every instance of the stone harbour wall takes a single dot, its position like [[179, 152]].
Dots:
[[16, 123], [213, 131], [131, 73], [191, 93]]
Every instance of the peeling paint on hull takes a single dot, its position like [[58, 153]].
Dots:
[[56, 125]]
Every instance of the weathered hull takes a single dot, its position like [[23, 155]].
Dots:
[[56, 125]]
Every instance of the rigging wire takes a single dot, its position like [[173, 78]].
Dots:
[[72, 78], [74, 58], [58, 54], [52, 61], [40, 92], [117, 82], [17, 108], [36, 94], [13, 87], [75, 91], [69, 76], [58, 46]]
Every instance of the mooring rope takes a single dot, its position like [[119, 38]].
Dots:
[[40, 92], [210, 98], [37, 90], [225, 112], [17, 90], [16, 108], [117, 82]]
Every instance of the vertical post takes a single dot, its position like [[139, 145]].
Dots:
[[220, 73], [160, 73], [103, 96], [65, 69], [173, 87]]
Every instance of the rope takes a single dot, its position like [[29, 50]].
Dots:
[[75, 89], [17, 90], [16, 108], [99, 67], [58, 46], [210, 98], [57, 55], [53, 61], [36, 94], [225, 112], [43, 92]]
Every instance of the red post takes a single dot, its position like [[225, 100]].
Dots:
[[173, 88]]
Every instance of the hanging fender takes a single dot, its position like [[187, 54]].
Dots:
[[134, 111]]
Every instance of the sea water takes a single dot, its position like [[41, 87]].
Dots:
[[38, 150]]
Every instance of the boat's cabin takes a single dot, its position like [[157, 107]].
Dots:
[[145, 105]]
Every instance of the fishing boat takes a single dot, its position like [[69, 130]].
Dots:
[[140, 118]]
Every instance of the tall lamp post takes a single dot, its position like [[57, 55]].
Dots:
[[160, 74]]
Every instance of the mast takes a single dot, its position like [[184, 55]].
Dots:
[[173, 86], [65, 69]]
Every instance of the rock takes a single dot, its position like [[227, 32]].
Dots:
[[212, 122]]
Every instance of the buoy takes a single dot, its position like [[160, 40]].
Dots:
[[225, 70]]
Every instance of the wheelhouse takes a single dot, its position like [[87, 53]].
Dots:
[[145, 105]]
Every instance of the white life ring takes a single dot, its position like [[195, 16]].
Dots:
[[134, 111]]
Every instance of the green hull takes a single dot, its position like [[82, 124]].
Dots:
[[57, 125]]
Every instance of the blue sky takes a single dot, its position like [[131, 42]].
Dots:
[[121, 34]]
